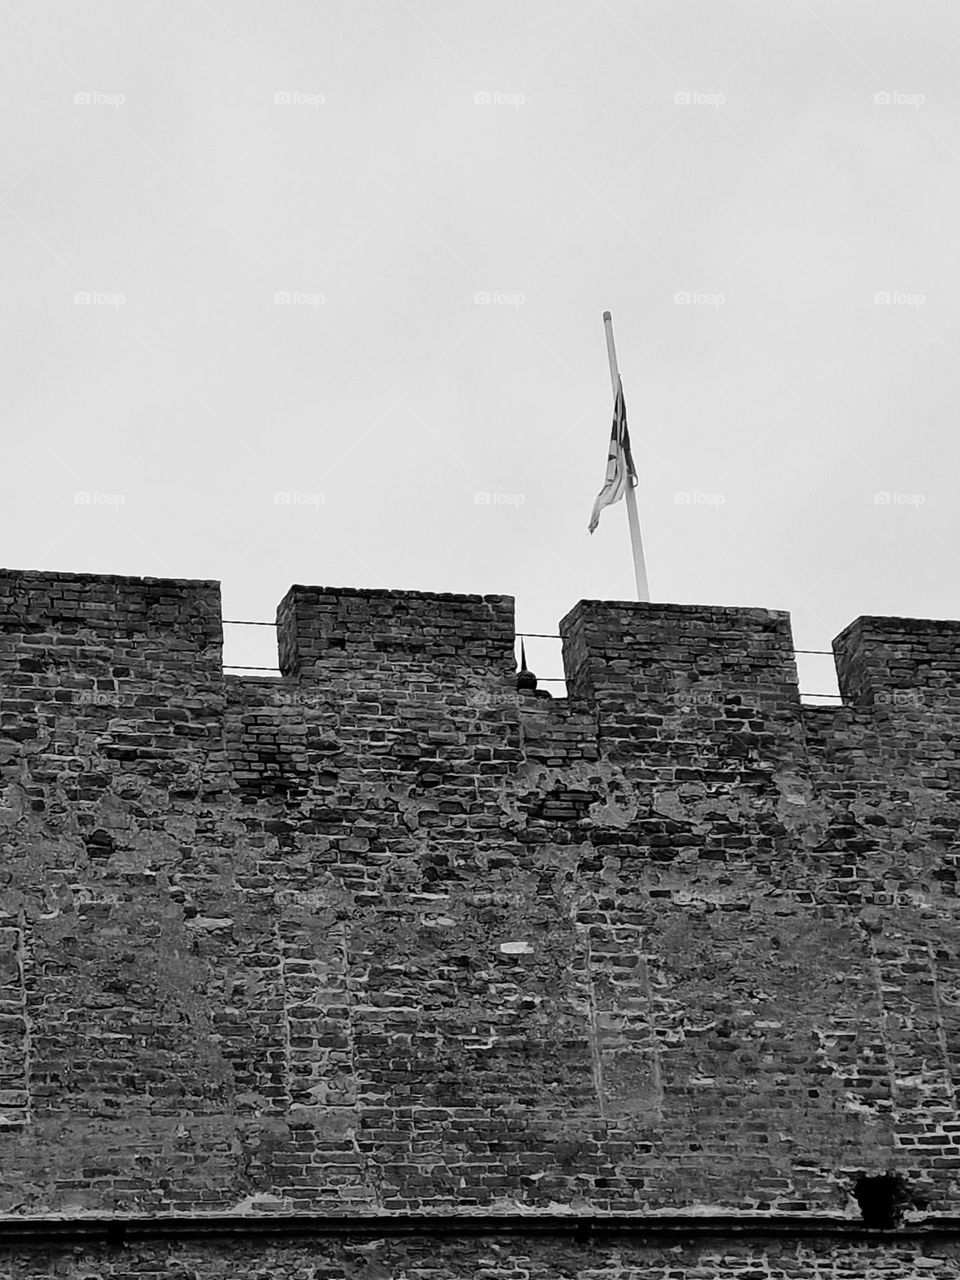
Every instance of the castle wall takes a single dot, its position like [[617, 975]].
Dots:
[[385, 936], [535, 1256]]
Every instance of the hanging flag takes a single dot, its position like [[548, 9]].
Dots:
[[620, 468], [621, 478]]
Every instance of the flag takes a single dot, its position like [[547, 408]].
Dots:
[[620, 468]]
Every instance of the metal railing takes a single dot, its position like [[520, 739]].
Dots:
[[520, 635]]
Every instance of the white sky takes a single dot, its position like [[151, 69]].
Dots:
[[783, 187]]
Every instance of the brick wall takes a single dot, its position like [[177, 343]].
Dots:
[[385, 936], [491, 1257]]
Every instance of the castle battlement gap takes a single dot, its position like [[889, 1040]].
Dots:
[[644, 652], [386, 936]]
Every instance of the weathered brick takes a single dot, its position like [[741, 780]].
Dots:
[[384, 934]]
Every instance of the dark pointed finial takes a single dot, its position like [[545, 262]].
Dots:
[[526, 680]]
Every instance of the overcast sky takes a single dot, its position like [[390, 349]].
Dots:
[[312, 292]]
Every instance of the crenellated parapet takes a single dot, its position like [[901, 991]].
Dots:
[[666, 655], [385, 932], [101, 622], [323, 631], [621, 659], [900, 664]]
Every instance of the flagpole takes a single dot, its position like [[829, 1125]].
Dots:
[[639, 567]]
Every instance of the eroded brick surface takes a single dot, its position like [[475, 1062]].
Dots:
[[492, 1258], [384, 935]]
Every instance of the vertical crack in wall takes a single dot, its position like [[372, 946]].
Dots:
[[313, 966], [875, 968], [327, 1167], [656, 1044], [913, 1034], [629, 1048], [350, 1032], [949, 1089], [284, 1014], [595, 1058], [25, 1013], [14, 1029]]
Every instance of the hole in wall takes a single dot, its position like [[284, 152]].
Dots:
[[881, 1198]]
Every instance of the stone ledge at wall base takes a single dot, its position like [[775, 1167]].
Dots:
[[461, 1254], [125, 1229]]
